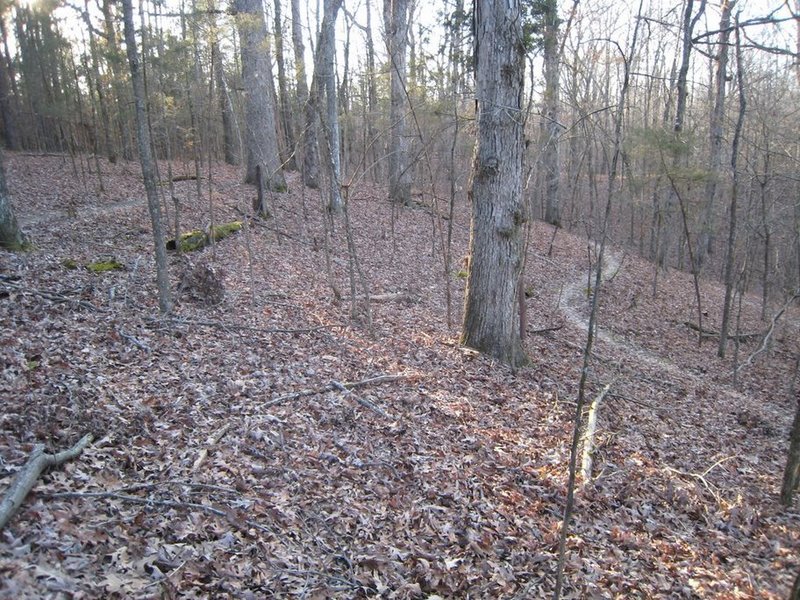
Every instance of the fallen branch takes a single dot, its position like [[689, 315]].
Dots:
[[546, 330], [50, 295], [236, 327], [365, 403], [349, 385], [589, 433], [213, 440], [26, 477], [388, 297], [768, 334], [709, 333]]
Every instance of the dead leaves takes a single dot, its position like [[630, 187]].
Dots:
[[446, 482]]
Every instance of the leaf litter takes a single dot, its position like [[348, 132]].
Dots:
[[445, 481]]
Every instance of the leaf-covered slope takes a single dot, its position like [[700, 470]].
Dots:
[[448, 480]]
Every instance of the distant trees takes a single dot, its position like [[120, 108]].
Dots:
[[498, 209]]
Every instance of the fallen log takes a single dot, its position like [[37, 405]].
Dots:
[[26, 478], [197, 239], [709, 333], [589, 435]]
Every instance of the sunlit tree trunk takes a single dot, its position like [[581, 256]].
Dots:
[[498, 212], [260, 131], [146, 158]]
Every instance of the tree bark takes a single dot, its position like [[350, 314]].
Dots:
[[260, 130], [498, 212], [327, 80], [146, 159], [11, 236], [791, 474], [396, 20]]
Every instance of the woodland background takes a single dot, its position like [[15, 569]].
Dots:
[[446, 475]]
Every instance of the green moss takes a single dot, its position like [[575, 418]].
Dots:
[[197, 239], [101, 266], [462, 274], [220, 232], [69, 263]]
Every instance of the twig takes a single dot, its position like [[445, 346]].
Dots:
[[334, 385], [365, 403], [27, 476], [213, 440], [546, 329]]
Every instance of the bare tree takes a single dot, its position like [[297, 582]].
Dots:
[[395, 13], [551, 128], [309, 146], [498, 211], [146, 159]]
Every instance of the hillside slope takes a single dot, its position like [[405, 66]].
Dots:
[[230, 463]]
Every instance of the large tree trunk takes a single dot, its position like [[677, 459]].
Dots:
[[11, 236], [146, 159], [551, 129], [396, 19], [791, 474], [498, 212], [260, 131], [307, 116]]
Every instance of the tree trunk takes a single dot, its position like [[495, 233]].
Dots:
[[498, 212], [327, 51], [230, 141], [306, 114], [730, 258], [284, 105], [11, 236], [791, 474], [396, 19], [146, 158], [705, 244], [261, 137], [551, 129]]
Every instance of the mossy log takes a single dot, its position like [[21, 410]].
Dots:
[[197, 238], [103, 265]]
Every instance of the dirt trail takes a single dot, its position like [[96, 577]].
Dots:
[[574, 295]]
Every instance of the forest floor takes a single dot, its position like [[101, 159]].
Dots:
[[229, 462]]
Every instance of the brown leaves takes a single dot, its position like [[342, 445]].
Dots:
[[458, 494]]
